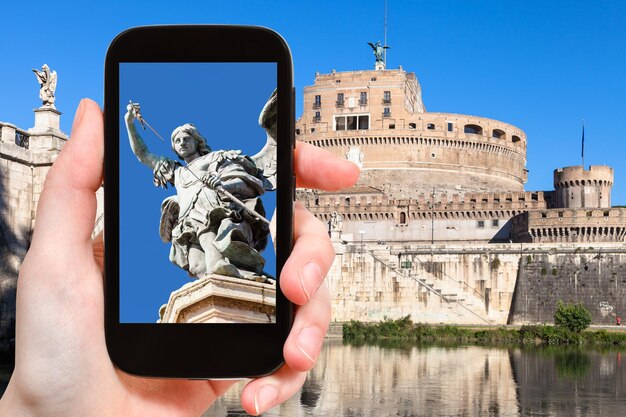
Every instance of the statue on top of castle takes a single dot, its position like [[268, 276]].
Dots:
[[378, 50], [336, 222], [47, 85]]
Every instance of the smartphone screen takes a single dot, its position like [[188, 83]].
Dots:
[[197, 192]]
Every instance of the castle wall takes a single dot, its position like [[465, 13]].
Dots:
[[595, 278], [476, 284], [25, 159]]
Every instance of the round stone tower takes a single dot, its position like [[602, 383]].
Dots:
[[579, 188]]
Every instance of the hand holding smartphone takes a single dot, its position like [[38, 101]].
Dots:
[[198, 165]]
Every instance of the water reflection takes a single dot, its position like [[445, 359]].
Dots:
[[400, 380], [403, 380]]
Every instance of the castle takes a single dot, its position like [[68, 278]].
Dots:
[[439, 225]]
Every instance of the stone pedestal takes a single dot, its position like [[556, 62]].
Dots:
[[221, 299], [47, 118], [47, 135]]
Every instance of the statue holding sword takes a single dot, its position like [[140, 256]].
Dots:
[[216, 221]]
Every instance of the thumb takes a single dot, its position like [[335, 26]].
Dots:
[[67, 206]]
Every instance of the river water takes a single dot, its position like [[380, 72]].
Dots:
[[355, 381], [408, 381]]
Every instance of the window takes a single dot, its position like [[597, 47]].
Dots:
[[392, 126], [473, 129], [386, 112], [412, 125], [606, 214], [515, 139], [402, 217], [544, 215], [495, 223], [559, 213], [430, 126], [339, 100], [351, 123], [318, 102], [364, 122], [481, 224], [498, 134], [450, 126], [363, 99], [387, 97], [297, 131], [356, 122], [317, 117], [373, 79]]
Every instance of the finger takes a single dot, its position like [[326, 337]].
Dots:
[[264, 393], [310, 259], [318, 168], [305, 340], [67, 207]]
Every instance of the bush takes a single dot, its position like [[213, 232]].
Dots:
[[574, 317]]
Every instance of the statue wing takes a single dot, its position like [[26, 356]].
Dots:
[[169, 217], [372, 45], [266, 159], [53, 81], [386, 47]]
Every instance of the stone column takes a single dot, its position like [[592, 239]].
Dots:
[[47, 135]]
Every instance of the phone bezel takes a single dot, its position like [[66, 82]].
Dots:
[[197, 350]]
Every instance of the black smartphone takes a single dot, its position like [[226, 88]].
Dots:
[[199, 192]]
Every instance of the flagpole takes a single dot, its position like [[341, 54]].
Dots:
[[582, 153]]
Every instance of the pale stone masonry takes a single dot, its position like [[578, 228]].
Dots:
[[439, 222], [25, 158]]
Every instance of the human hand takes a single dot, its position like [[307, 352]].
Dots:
[[62, 367], [132, 110], [211, 180]]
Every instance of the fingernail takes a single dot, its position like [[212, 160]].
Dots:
[[309, 341], [264, 398], [79, 113], [310, 278]]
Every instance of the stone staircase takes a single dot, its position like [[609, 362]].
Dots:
[[465, 304]]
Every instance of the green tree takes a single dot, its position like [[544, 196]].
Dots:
[[574, 317]]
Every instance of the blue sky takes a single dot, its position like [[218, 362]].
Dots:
[[542, 66], [225, 109]]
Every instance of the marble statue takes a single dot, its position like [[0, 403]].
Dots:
[[216, 221], [47, 83], [336, 222]]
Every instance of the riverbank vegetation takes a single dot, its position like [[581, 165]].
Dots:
[[405, 330]]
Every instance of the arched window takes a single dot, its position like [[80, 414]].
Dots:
[[402, 217], [430, 126], [498, 134], [473, 129], [515, 138]]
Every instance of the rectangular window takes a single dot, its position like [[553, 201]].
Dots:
[[363, 98], [386, 112], [387, 97], [450, 126], [351, 122], [317, 117], [318, 102], [339, 99], [356, 122], [495, 223], [364, 122], [340, 123], [481, 224]]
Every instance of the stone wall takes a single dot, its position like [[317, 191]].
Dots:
[[595, 277]]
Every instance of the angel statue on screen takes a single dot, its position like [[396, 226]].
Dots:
[[216, 221]]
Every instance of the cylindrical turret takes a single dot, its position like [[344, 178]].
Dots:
[[578, 188]]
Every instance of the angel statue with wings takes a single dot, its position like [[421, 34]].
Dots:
[[47, 84], [216, 221]]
